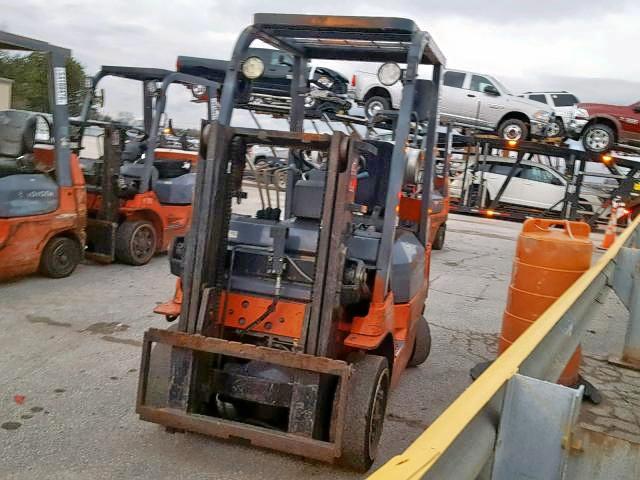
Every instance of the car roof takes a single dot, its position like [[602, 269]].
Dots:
[[549, 91]]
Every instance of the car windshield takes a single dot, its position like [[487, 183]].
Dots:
[[501, 87]]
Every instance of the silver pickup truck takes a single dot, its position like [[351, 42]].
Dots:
[[467, 99]]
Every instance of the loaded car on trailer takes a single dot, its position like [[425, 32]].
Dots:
[[292, 330], [563, 104], [326, 88], [474, 100], [603, 127], [42, 198], [138, 206]]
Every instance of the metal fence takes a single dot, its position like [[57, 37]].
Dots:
[[473, 437]]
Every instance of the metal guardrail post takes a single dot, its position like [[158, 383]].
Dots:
[[626, 284]]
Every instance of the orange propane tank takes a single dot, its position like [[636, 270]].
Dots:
[[550, 256]]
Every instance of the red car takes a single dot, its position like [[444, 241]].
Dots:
[[603, 126]]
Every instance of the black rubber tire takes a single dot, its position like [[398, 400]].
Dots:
[[422, 344], [385, 103], [136, 242], [603, 127], [60, 257], [369, 386], [502, 128], [438, 241]]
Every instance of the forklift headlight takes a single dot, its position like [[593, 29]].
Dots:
[[389, 73], [253, 67]]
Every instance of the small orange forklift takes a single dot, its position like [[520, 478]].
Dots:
[[42, 196], [137, 206], [295, 325]]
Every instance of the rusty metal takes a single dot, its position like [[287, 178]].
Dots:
[[298, 443]]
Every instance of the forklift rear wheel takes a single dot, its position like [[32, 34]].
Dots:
[[422, 344], [60, 257], [366, 406], [136, 242], [438, 241]]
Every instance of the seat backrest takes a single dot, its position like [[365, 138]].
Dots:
[[372, 190], [17, 132]]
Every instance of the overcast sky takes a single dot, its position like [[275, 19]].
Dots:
[[587, 47]]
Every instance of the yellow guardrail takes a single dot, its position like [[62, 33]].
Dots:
[[431, 445]]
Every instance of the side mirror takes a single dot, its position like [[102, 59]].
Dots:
[[557, 181], [283, 60], [491, 90], [636, 108]]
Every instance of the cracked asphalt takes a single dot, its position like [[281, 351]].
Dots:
[[69, 359]]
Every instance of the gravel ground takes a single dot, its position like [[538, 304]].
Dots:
[[70, 349]]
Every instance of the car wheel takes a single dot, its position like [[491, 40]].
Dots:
[[375, 105], [513, 129], [60, 257], [136, 242], [556, 129], [598, 138]]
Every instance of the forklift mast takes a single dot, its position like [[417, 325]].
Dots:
[[154, 102], [58, 97]]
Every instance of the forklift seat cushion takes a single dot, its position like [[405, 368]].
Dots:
[[17, 132], [27, 194], [176, 191], [407, 267], [372, 190]]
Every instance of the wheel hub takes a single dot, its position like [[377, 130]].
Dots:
[[597, 139], [142, 242], [512, 132], [374, 107]]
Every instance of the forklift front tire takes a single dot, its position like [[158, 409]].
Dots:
[[438, 241], [60, 257], [136, 242], [422, 344], [366, 406]]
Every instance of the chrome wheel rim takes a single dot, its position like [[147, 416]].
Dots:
[[597, 139], [512, 132], [554, 129], [374, 107]]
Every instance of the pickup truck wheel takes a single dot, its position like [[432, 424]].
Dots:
[[513, 129], [375, 105], [598, 138], [556, 129]]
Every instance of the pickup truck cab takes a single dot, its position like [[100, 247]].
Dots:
[[467, 99], [602, 126]]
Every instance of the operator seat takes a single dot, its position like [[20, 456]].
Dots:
[[23, 192]]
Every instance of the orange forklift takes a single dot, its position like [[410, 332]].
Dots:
[[42, 196], [137, 206], [295, 325]]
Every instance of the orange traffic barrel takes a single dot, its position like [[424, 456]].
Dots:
[[550, 256]]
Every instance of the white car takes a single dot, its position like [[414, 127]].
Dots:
[[469, 99], [534, 185], [563, 104]]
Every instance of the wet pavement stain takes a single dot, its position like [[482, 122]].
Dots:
[[113, 378], [59, 390], [106, 328], [36, 409], [11, 425], [46, 321], [125, 341], [26, 416]]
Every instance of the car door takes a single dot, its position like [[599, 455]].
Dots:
[[630, 122], [540, 188], [489, 107], [495, 178], [455, 105]]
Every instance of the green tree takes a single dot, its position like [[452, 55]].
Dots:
[[31, 87]]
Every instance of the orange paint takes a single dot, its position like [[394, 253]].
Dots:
[[548, 261]]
